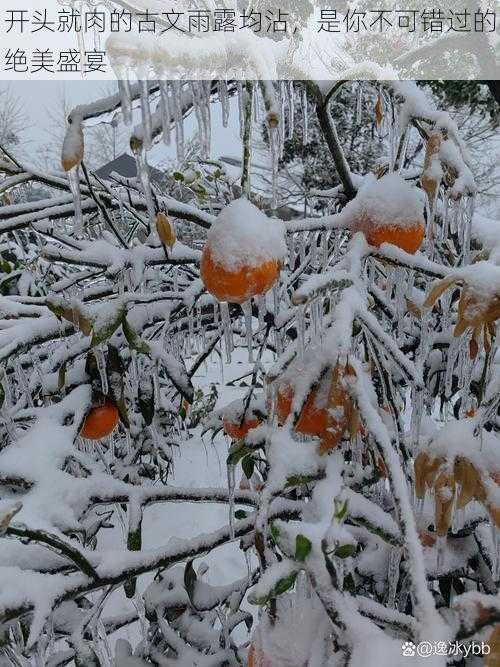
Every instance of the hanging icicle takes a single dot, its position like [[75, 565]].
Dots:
[[126, 99], [179, 119], [247, 315], [139, 152], [224, 101], [146, 114], [166, 112]]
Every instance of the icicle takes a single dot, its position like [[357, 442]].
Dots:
[[205, 118], [241, 107], [231, 483], [291, 109], [156, 385], [395, 554], [453, 351], [227, 329], [247, 314], [224, 101], [261, 306], [74, 184], [146, 113], [274, 147], [100, 358], [301, 330], [179, 119], [166, 114], [126, 100], [23, 383], [417, 401], [359, 103], [305, 117], [495, 535], [440, 553], [143, 171]]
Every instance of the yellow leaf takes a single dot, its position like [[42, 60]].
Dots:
[[439, 288], [165, 230]]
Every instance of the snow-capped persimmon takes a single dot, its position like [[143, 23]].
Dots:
[[238, 418], [328, 411], [238, 430], [388, 210], [243, 253], [100, 421]]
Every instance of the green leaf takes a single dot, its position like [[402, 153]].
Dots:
[[236, 452], [303, 548], [345, 550], [282, 586], [248, 465], [240, 514], [275, 533], [341, 510], [285, 584], [107, 330], [298, 480], [133, 339], [178, 176], [190, 579]]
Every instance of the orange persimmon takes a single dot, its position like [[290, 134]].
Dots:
[[325, 414], [408, 238], [237, 285], [101, 420], [236, 430]]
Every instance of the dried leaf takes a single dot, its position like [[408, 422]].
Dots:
[[379, 111], [413, 309], [439, 288], [444, 489], [165, 230]]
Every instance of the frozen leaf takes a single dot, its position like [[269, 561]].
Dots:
[[7, 514], [135, 342], [165, 230], [303, 547]]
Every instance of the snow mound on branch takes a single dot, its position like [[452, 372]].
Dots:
[[389, 200], [244, 236]]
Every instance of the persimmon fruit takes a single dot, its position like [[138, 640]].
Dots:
[[325, 414], [409, 238], [101, 420], [236, 430], [238, 284]]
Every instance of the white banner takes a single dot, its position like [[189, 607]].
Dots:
[[269, 39]]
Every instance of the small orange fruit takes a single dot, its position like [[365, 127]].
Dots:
[[101, 420], [243, 253], [236, 430], [326, 412], [239, 284], [407, 238], [388, 210]]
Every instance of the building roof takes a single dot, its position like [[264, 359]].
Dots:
[[125, 165]]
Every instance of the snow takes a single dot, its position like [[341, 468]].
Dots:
[[244, 236], [389, 200]]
